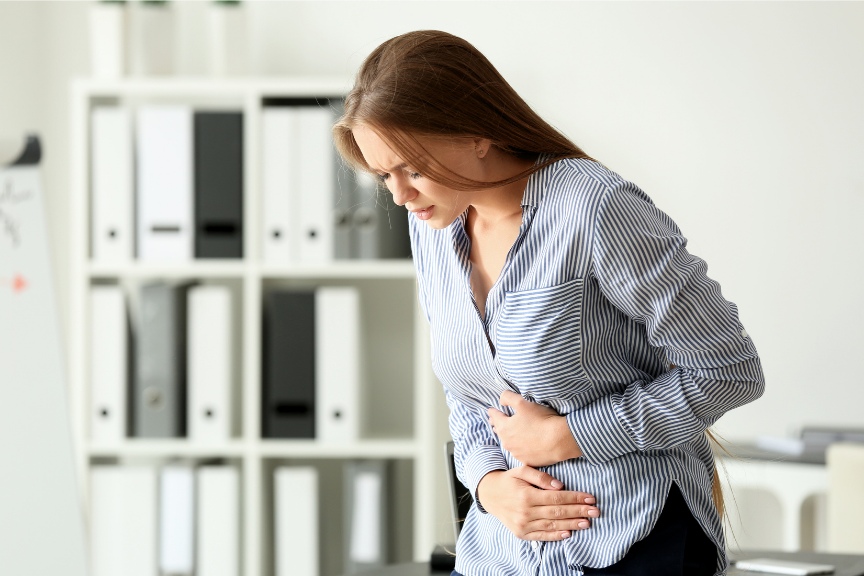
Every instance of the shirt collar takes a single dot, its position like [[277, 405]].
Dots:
[[534, 189], [536, 186]]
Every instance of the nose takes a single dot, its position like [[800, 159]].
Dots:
[[402, 190]]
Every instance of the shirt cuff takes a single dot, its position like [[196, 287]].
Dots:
[[483, 459], [599, 433]]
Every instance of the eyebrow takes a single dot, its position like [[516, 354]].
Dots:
[[400, 167]]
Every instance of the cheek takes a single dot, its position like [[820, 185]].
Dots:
[[436, 193]]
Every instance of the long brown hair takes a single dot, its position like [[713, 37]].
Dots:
[[433, 84]]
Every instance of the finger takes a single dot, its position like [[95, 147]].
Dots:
[[568, 512], [539, 479], [494, 413], [562, 498], [547, 536], [509, 398], [547, 525]]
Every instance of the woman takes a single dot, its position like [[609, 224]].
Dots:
[[582, 349]]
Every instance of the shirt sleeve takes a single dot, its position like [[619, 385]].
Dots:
[[642, 266], [477, 451], [476, 448]]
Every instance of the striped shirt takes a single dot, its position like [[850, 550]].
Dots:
[[601, 314]]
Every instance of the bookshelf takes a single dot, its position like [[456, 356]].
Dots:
[[404, 406]]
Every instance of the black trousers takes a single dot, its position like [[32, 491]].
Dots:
[[676, 546]]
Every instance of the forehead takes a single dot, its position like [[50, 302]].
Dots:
[[377, 153]]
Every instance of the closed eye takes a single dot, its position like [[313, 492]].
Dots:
[[385, 176]]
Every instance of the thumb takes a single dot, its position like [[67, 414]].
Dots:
[[509, 398], [538, 478]]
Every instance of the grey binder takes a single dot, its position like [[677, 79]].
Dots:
[[380, 226], [218, 185], [344, 200], [366, 514], [288, 395], [159, 394]]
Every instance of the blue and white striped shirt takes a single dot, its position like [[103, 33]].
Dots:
[[597, 300]]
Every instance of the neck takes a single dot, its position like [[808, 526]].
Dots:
[[495, 204]]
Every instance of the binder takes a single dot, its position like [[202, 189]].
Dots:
[[288, 409], [123, 520], [344, 205], [218, 521], [177, 520], [314, 190], [344, 199], [164, 176], [109, 361], [338, 367], [218, 185], [380, 226], [210, 363], [366, 517], [296, 521], [112, 230], [279, 168], [159, 402]]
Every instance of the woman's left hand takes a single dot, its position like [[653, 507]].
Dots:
[[535, 435]]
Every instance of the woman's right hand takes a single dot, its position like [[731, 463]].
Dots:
[[547, 514]]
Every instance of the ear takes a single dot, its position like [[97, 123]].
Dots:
[[482, 146]]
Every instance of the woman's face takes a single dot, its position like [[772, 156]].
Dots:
[[433, 203]]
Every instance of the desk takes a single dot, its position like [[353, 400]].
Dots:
[[845, 564]]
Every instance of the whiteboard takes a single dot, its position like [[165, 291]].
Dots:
[[41, 522]]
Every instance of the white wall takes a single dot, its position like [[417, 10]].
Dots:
[[742, 120]]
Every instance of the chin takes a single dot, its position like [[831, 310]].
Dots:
[[436, 225]]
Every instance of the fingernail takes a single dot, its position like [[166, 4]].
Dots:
[[590, 500], [557, 484], [565, 534], [583, 525], [594, 513]]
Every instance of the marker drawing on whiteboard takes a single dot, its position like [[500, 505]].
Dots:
[[18, 283], [8, 224]]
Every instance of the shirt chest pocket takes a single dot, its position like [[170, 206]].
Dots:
[[539, 342]]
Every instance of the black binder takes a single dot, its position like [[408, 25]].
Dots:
[[288, 396], [218, 185]]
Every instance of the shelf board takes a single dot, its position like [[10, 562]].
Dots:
[[189, 269], [315, 449], [168, 447], [396, 268], [186, 86], [378, 448], [393, 269]]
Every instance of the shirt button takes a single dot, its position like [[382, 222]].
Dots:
[[535, 544], [743, 333]]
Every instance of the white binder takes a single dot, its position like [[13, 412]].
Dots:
[[111, 172], [218, 527], [109, 364], [314, 189], [210, 367], [177, 520], [296, 539], [338, 365], [123, 521], [165, 185], [279, 168], [366, 515]]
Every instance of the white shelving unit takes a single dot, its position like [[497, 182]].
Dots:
[[405, 406]]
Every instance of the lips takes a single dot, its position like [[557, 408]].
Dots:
[[424, 213]]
